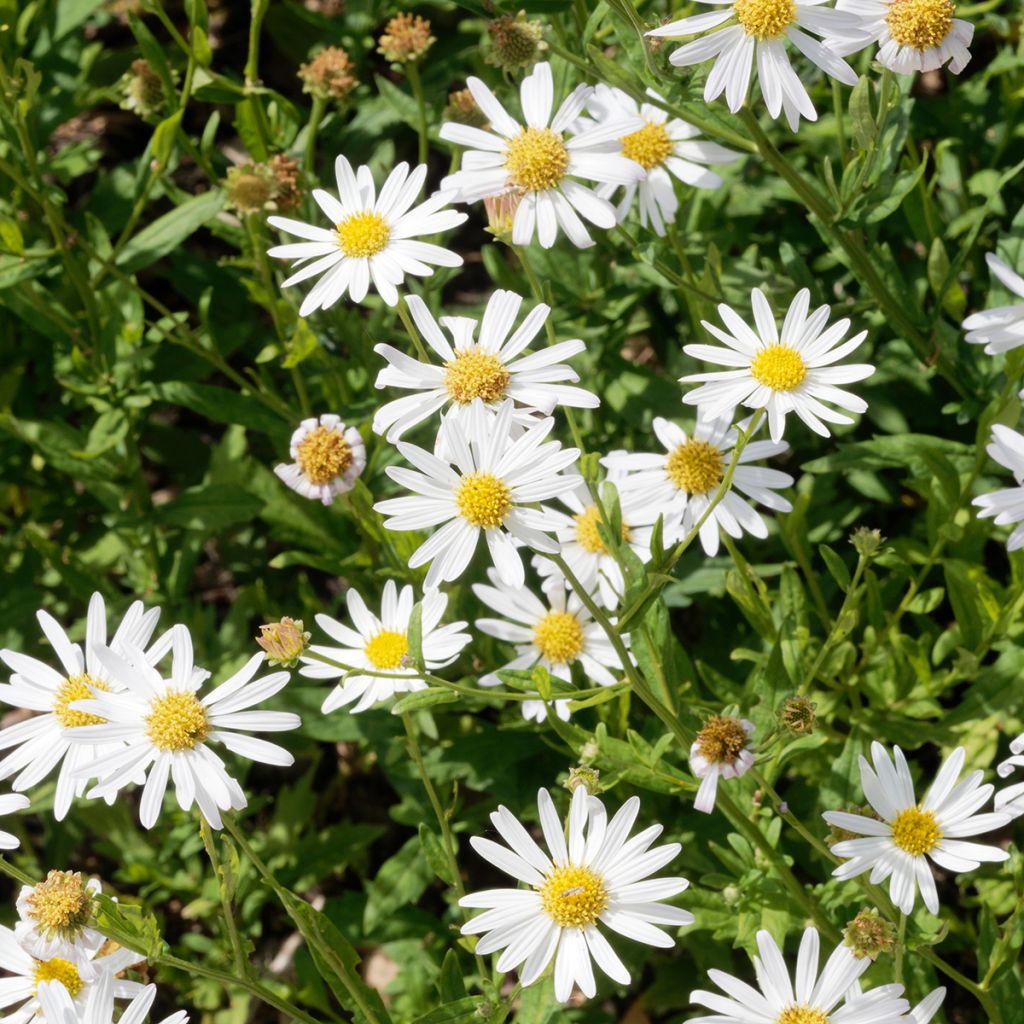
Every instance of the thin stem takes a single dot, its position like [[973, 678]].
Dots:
[[901, 944], [412, 72], [241, 961], [16, 873], [403, 314], [315, 117]]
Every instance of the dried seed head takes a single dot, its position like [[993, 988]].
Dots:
[[516, 44], [329, 75], [406, 38], [797, 715], [869, 935]]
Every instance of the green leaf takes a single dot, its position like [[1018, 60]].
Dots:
[[433, 851], [836, 567], [427, 698], [169, 231], [209, 507], [222, 405], [130, 926], [462, 1011]]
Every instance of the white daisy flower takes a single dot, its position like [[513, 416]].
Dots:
[[928, 1007], [756, 30], [42, 741], [382, 645], [540, 162], [1006, 505], [781, 373], [1011, 799], [1001, 328], [809, 998], [374, 238], [914, 35], [9, 804], [329, 458], [680, 484], [168, 730], [666, 148], [597, 876], [490, 367], [58, 1006], [489, 485], [56, 917], [722, 750], [555, 634], [908, 834]]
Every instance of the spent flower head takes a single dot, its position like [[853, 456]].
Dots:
[[462, 109], [869, 935], [142, 91], [798, 715], [516, 42], [866, 542], [406, 38], [61, 905], [329, 75]]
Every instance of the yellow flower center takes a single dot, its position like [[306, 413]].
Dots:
[[722, 739], [363, 234], [323, 455], [648, 146], [387, 649], [916, 831], [61, 904], [920, 24], [779, 367], [176, 721], [765, 19], [802, 1015], [483, 500], [536, 159], [587, 534], [77, 688], [695, 466], [475, 374], [573, 897], [559, 637], [60, 970]]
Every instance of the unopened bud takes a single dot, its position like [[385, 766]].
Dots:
[[588, 778], [797, 715], [867, 543], [869, 935], [283, 641]]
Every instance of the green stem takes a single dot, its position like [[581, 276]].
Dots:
[[403, 314], [901, 944], [412, 72], [315, 117], [241, 961], [16, 873]]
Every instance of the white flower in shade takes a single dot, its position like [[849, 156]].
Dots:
[[597, 876], [375, 239], [59, 1007], [914, 35], [739, 33], [722, 750], [42, 741], [781, 373], [56, 917], [382, 645], [666, 148], [1011, 799], [1006, 505], [928, 1007], [9, 804], [329, 458], [680, 484], [488, 486], [482, 363], [908, 834], [556, 634], [540, 162], [1001, 328], [808, 998], [168, 730]]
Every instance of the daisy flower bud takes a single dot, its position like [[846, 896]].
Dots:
[[588, 778], [867, 543], [283, 641]]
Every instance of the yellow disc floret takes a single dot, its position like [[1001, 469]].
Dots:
[[387, 649], [60, 970], [920, 24], [363, 234], [573, 897], [61, 905], [483, 500], [536, 159], [695, 466], [323, 455], [587, 534], [475, 374], [765, 19], [916, 831], [176, 721], [779, 367], [559, 637], [802, 1015], [722, 739], [76, 688], [649, 146]]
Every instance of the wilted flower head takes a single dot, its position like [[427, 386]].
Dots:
[[57, 915], [867, 543], [516, 44], [329, 75], [142, 90], [797, 715], [722, 749], [283, 641], [406, 38], [253, 188], [869, 935], [462, 109]]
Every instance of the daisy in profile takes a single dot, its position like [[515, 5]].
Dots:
[[1006, 505], [680, 484], [328, 458], [808, 998], [667, 148], [42, 742], [480, 362], [1001, 328], [781, 372], [555, 633], [738, 33], [168, 731], [899, 843], [914, 35], [382, 645], [56, 917], [723, 749], [9, 804], [591, 874], [374, 239], [489, 486], [59, 1006], [1011, 799], [540, 162]]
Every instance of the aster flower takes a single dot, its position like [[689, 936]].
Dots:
[[1001, 328], [597, 876], [541, 162], [328, 458], [914, 35], [382, 645], [42, 742], [56, 917], [781, 373], [9, 803], [481, 362], [373, 238], [488, 486], [722, 750], [1006, 506], [900, 841], [58, 1006], [1010, 800], [168, 730], [809, 998], [739, 32]]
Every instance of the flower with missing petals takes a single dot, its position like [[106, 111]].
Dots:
[[57, 916], [722, 750], [329, 458]]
